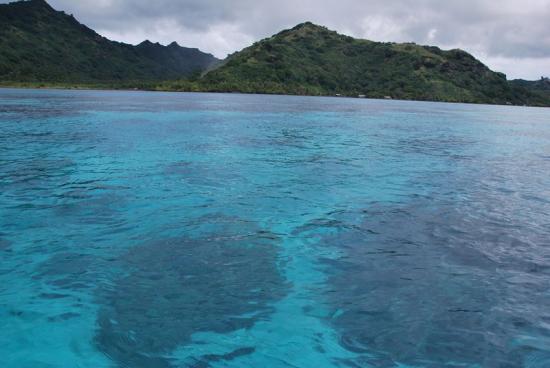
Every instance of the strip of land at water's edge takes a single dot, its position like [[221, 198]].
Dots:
[[45, 48]]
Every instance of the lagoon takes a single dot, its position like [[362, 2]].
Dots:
[[142, 229]]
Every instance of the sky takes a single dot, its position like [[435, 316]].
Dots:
[[511, 36]]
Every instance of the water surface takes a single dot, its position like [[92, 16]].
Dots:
[[208, 230]]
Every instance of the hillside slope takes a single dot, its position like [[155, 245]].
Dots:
[[38, 43], [540, 87], [310, 59]]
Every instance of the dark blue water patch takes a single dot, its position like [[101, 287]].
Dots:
[[36, 171], [43, 138], [32, 181], [86, 207], [64, 317], [448, 145], [439, 285], [176, 287], [18, 112], [206, 360], [213, 174], [71, 271], [23, 315], [5, 245]]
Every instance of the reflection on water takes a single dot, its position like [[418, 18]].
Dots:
[[196, 230]]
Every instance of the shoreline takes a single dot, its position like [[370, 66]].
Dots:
[[122, 89]]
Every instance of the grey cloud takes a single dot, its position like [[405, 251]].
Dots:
[[513, 35]]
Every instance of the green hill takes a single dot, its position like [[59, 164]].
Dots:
[[39, 44], [310, 59], [540, 87], [543, 84]]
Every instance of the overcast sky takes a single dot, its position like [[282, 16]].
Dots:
[[512, 36]]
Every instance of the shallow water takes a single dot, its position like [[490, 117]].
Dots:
[[209, 230]]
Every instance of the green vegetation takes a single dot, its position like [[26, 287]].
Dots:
[[540, 87], [543, 84], [39, 44], [41, 47], [313, 60]]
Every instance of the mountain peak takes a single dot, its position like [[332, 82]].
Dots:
[[38, 3], [27, 5], [307, 29], [309, 26]]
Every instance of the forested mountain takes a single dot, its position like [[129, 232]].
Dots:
[[38, 43], [310, 59]]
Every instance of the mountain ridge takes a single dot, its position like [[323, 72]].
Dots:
[[311, 59], [40, 44]]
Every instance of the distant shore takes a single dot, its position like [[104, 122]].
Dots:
[[154, 87]]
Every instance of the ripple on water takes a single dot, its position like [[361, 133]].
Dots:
[[432, 292], [202, 174], [36, 173], [71, 271], [449, 268]]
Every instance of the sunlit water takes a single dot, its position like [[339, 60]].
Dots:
[[200, 230]]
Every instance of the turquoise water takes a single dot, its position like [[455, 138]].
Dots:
[[209, 230]]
